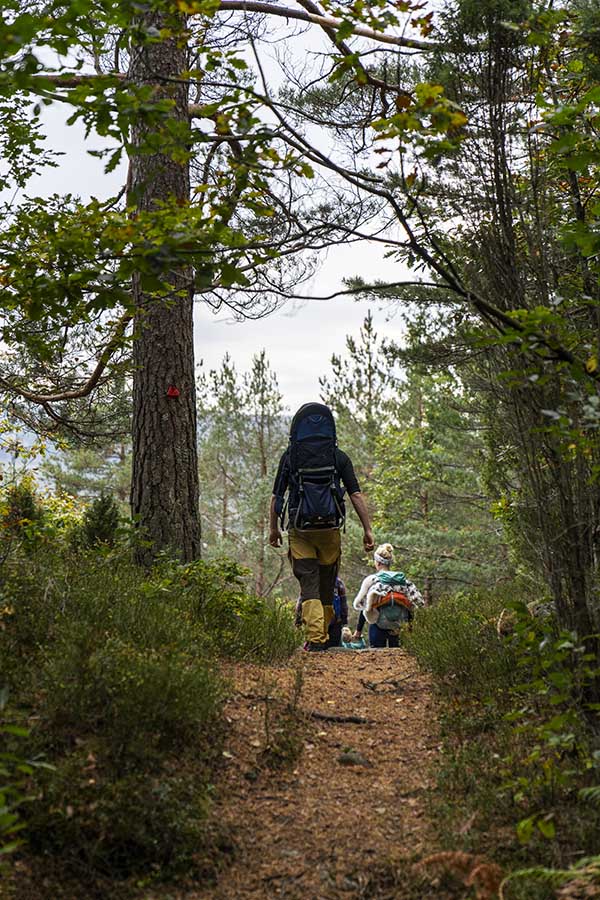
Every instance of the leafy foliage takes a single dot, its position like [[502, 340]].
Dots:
[[415, 441], [524, 700], [21, 508], [456, 639], [266, 632], [430, 496], [100, 823], [554, 707]]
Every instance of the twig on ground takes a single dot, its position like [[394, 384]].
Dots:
[[394, 682], [330, 717]]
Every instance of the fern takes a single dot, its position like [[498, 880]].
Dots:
[[587, 870], [590, 793]]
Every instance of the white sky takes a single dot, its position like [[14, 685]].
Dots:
[[299, 338]]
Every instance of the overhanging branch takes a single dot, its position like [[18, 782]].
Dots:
[[286, 12], [85, 389]]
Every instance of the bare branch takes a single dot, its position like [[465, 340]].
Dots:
[[331, 717], [363, 289], [71, 80], [313, 10], [330, 22]]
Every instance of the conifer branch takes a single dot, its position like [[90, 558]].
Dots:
[[87, 387]]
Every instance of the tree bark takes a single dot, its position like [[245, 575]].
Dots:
[[424, 497], [263, 512], [224, 504], [165, 492]]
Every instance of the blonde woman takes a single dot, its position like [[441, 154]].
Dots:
[[385, 600]]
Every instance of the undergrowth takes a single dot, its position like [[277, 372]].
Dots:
[[520, 753], [116, 684]]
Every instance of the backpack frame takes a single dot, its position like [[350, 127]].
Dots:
[[315, 494]]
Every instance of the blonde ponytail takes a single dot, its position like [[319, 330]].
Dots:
[[384, 554]]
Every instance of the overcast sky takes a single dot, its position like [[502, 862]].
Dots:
[[299, 338]]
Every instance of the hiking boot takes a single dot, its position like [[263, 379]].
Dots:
[[312, 647]]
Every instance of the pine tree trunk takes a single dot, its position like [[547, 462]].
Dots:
[[424, 499], [164, 494], [224, 505], [262, 523]]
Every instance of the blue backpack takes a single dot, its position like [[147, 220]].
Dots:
[[315, 496], [337, 604]]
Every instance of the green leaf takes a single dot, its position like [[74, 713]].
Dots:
[[547, 827], [14, 729], [525, 829], [345, 30]]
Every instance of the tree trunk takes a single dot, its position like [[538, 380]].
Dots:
[[164, 493], [224, 504], [263, 512], [424, 496]]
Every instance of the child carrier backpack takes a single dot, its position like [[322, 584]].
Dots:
[[315, 494]]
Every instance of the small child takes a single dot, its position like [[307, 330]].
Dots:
[[348, 643]]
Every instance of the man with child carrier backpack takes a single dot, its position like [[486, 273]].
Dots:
[[315, 474]]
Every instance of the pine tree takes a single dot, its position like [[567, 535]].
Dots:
[[429, 490], [89, 471], [220, 405], [243, 435], [100, 521], [360, 392], [267, 435]]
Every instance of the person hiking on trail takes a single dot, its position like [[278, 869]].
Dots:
[[340, 614], [386, 600], [314, 473]]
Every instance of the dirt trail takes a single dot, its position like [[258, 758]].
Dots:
[[344, 818]]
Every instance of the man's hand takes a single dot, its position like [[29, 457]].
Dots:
[[275, 537], [356, 636], [358, 502]]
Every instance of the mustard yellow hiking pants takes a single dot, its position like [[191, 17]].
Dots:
[[315, 557]]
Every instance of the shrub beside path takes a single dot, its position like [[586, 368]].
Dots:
[[320, 808]]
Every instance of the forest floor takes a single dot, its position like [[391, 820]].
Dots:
[[319, 808]]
